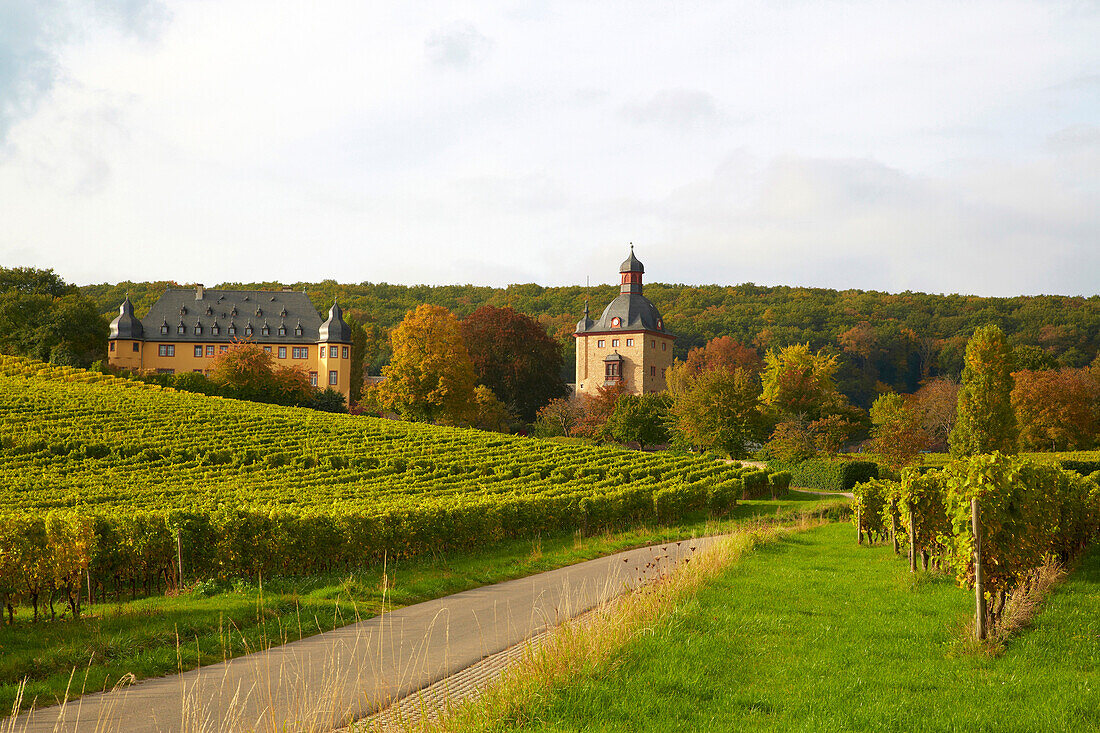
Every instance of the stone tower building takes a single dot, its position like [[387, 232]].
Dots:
[[629, 343]]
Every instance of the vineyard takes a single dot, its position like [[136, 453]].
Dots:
[[992, 520], [109, 485]]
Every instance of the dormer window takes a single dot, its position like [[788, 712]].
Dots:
[[298, 330], [265, 331], [660, 324], [209, 311], [248, 330], [282, 330], [198, 329], [232, 330], [215, 329], [283, 313], [181, 329], [164, 327], [234, 311], [616, 322], [259, 313], [183, 310]]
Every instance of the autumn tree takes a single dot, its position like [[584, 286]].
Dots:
[[896, 432], [641, 419], [985, 421], [559, 417], [1056, 409], [718, 409], [250, 373], [936, 402], [596, 409], [491, 412], [722, 353], [430, 376], [800, 393], [513, 355]]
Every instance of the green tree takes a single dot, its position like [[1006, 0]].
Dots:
[[718, 409], [514, 356], [559, 417], [641, 419], [986, 421], [430, 377], [43, 318]]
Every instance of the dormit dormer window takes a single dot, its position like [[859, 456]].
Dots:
[[164, 327], [266, 330], [259, 313], [183, 310], [282, 330], [209, 311], [232, 329], [198, 328], [298, 329], [181, 329], [215, 329], [234, 311], [283, 313], [248, 330]]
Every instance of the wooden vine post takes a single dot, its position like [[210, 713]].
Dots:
[[979, 579], [179, 560], [859, 529], [894, 525], [912, 539]]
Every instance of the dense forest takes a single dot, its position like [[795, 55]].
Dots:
[[885, 341]]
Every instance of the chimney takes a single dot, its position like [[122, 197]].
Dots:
[[198, 291], [288, 290]]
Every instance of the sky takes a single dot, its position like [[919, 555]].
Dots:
[[933, 146]]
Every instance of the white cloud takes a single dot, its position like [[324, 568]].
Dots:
[[936, 146]]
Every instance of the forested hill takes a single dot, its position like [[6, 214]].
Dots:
[[893, 340]]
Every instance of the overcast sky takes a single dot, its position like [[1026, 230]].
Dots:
[[933, 146]]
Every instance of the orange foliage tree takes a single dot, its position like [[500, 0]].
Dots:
[[252, 374], [1056, 409]]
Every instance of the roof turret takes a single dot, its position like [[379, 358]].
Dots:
[[335, 328], [126, 325], [585, 323], [631, 263]]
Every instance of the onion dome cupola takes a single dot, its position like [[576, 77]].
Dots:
[[126, 325], [585, 323], [335, 328]]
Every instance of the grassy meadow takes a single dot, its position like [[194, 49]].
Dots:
[[812, 633]]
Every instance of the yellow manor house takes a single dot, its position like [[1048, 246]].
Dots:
[[187, 327], [629, 344]]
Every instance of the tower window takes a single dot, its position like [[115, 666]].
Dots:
[[653, 371], [653, 343], [343, 352], [600, 343], [664, 347], [630, 342], [333, 377], [112, 346], [136, 347], [611, 371], [313, 379], [614, 343], [332, 351]]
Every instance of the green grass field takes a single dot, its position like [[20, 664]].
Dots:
[[157, 635], [813, 633]]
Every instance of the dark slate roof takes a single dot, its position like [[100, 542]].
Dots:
[[240, 308], [126, 325], [631, 263], [585, 323], [613, 356], [335, 328], [636, 314]]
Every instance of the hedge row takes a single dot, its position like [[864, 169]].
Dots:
[[828, 475]]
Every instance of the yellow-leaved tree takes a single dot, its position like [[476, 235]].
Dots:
[[430, 376]]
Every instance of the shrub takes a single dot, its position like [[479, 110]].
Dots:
[[828, 475]]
